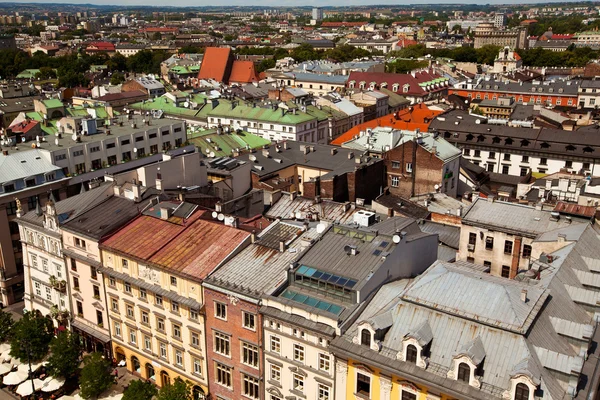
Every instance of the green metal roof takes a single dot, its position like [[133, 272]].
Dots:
[[222, 145], [242, 111], [53, 103]]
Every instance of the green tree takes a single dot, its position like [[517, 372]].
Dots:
[[305, 52], [95, 376], [117, 78], [6, 324], [139, 390], [265, 64], [179, 390], [156, 36], [46, 73], [457, 28], [31, 336], [65, 355], [118, 62]]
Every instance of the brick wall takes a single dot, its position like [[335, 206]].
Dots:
[[428, 169]]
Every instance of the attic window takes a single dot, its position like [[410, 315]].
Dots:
[[570, 147], [470, 137], [588, 149], [365, 337], [464, 372], [480, 138], [496, 139], [447, 134], [551, 90], [411, 354], [524, 143], [508, 141], [544, 145]]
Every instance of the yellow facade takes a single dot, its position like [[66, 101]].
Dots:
[[379, 381]]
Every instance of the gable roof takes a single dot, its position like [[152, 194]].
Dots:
[[216, 62], [243, 72]]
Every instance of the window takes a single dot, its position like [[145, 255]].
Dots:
[[38, 288], [324, 362], [11, 208], [395, 181], [395, 164], [114, 304], [79, 309], [111, 281], [125, 142], [129, 311], [174, 306], [489, 243], [409, 168], [76, 283], [221, 343], [147, 343], [492, 155], [477, 153], [158, 300], [96, 291], [505, 271], [508, 245], [298, 353], [543, 161], [177, 332], [160, 324], [223, 374], [505, 169], [506, 157], [298, 384], [466, 152], [523, 171], [94, 273], [193, 314], [195, 339], [568, 164], [145, 318], [249, 321], [163, 350], [525, 159], [117, 329], [363, 384], [220, 311], [173, 281], [44, 265], [125, 263], [275, 373], [132, 336], [464, 372], [80, 243], [110, 145], [411, 354], [472, 238], [143, 294], [197, 365], [178, 358], [323, 392], [127, 287], [48, 293], [250, 355], [365, 337], [526, 251], [521, 392], [251, 387], [275, 344], [408, 395]]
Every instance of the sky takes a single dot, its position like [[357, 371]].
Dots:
[[276, 3]]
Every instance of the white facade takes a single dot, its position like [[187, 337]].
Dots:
[[303, 132]]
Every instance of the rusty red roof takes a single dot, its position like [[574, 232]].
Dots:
[[575, 209], [243, 72]]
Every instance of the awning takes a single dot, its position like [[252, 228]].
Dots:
[[90, 331]]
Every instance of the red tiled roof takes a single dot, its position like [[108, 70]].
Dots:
[[101, 46], [243, 72], [517, 56], [23, 126], [214, 64], [400, 79], [410, 119], [406, 42], [194, 248], [342, 24]]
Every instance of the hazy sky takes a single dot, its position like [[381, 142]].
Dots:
[[271, 3]]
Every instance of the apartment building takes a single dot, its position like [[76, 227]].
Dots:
[[500, 235], [45, 273], [153, 269], [487, 33], [589, 94], [516, 151], [325, 286], [235, 342]]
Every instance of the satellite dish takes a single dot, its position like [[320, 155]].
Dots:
[[23, 140], [292, 215], [186, 104], [212, 154], [321, 228], [220, 217], [298, 215], [207, 151], [348, 249], [2, 142], [396, 239], [214, 214], [135, 149], [436, 187], [230, 220], [74, 137], [56, 141]]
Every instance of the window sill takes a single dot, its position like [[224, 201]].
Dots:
[[362, 396], [298, 393]]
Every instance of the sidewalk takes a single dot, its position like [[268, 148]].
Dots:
[[16, 310]]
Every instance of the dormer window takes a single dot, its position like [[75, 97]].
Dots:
[[365, 337], [395, 87], [521, 392], [411, 354], [464, 372]]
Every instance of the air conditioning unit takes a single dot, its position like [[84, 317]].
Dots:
[[471, 247]]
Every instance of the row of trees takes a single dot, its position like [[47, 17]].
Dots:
[[32, 338]]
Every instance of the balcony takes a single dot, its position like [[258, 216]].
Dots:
[[58, 284]]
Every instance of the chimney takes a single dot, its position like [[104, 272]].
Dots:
[[137, 191], [524, 298], [333, 152], [350, 156], [562, 238], [117, 190], [285, 145], [158, 183], [292, 196], [491, 198], [253, 236], [282, 246], [165, 213]]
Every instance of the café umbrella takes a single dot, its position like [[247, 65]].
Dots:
[[15, 377], [25, 388], [51, 384]]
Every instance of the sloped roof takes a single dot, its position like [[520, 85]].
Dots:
[[243, 72], [20, 165], [215, 63]]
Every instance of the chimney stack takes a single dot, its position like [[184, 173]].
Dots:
[[524, 298], [282, 246]]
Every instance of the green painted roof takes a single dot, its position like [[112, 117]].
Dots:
[[164, 104], [53, 103], [28, 73], [225, 142], [241, 110]]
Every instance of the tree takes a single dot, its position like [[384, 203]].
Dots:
[[6, 324], [457, 28], [31, 336], [117, 78], [95, 376], [46, 73], [179, 390], [156, 36], [265, 64], [65, 355], [118, 62], [139, 390]]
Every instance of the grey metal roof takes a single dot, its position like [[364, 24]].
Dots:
[[513, 217], [326, 210], [550, 87], [447, 234], [25, 164], [261, 267], [474, 350], [320, 78]]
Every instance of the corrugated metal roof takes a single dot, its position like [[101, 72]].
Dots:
[[326, 210], [20, 165]]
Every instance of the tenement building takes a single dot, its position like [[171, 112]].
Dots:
[[488, 34]]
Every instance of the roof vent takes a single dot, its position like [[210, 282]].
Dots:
[[554, 216], [351, 250]]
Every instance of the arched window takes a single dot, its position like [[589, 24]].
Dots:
[[164, 378], [411, 354], [365, 337], [135, 365], [464, 372], [150, 374], [522, 392]]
